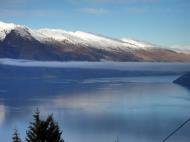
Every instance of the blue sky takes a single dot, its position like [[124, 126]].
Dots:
[[165, 22]]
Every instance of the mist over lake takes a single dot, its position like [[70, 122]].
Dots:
[[136, 102]]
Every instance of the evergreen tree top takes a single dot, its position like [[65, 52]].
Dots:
[[16, 137]]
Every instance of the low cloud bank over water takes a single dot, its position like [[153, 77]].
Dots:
[[128, 66]]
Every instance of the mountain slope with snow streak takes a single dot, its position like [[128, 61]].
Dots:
[[90, 39], [6, 29], [78, 37], [21, 42]]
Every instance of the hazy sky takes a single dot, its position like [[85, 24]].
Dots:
[[165, 22]]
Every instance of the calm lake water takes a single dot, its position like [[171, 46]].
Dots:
[[134, 108]]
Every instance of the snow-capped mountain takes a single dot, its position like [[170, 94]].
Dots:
[[6, 28], [139, 44], [181, 48], [90, 39], [18, 41]]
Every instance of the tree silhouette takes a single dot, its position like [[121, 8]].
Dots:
[[16, 137], [53, 131], [43, 130]]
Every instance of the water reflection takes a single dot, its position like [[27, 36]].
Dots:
[[2, 114], [99, 109]]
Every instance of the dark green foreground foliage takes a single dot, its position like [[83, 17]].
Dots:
[[16, 137], [41, 130]]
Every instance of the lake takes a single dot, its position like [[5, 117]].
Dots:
[[135, 102]]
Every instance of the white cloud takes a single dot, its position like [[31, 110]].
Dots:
[[12, 3], [118, 1], [2, 114], [11, 13], [94, 10], [30, 13], [137, 10], [46, 13]]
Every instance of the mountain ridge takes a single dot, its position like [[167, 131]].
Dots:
[[21, 42]]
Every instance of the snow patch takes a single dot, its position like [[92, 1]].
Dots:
[[181, 48], [87, 39], [5, 28], [138, 44]]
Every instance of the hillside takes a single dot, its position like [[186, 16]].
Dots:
[[21, 42]]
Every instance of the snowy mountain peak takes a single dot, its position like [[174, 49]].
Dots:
[[84, 38], [139, 44], [56, 34], [80, 38], [180, 48], [58, 44], [6, 28]]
